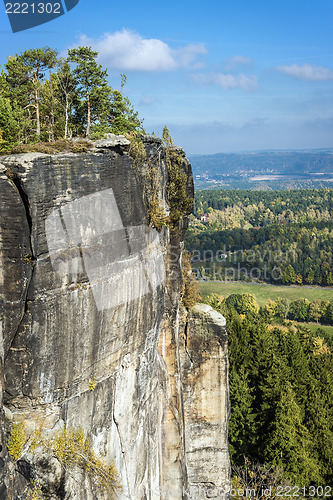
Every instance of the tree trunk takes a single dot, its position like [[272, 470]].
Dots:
[[88, 111], [37, 111], [66, 117], [52, 108]]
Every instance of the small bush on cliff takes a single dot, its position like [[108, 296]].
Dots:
[[166, 137], [92, 384], [136, 150], [179, 203], [35, 491], [73, 449], [156, 216], [17, 439]]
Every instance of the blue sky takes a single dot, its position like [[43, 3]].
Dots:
[[225, 75]]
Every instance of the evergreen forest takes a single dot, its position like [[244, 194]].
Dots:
[[282, 237]]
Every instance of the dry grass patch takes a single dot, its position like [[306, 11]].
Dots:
[[59, 146]]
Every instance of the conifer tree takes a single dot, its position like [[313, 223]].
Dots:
[[242, 428], [92, 84], [10, 119], [166, 137], [25, 72], [71, 101], [319, 416], [289, 443], [123, 118]]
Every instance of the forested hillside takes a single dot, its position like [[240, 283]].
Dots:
[[46, 98], [230, 209], [281, 382], [282, 237]]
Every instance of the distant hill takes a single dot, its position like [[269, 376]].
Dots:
[[264, 170], [269, 162]]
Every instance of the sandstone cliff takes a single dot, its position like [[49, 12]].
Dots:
[[92, 337]]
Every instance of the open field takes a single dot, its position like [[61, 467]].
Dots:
[[314, 327], [264, 292]]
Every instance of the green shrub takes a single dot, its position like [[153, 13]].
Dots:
[[92, 384], [156, 214], [136, 150], [179, 203], [17, 439], [73, 449], [35, 491]]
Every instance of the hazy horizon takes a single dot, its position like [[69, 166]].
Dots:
[[248, 151]]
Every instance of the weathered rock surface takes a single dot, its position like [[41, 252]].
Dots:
[[70, 356], [206, 403], [111, 141]]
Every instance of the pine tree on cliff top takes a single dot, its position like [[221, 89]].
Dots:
[[25, 73], [92, 84]]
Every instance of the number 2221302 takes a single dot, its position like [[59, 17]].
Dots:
[[310, 491], [33, 8]]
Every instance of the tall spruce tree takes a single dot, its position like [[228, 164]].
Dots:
[[242, 428], [289, 443]]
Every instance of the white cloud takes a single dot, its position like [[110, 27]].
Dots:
[[238, 61], [129, 51], [307, 72], [187, 56], [227, 81]]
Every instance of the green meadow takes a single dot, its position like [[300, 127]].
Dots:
[[264, 292], [314, 327]]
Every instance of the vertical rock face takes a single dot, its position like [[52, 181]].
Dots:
[[89, 329], [206, 403]]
